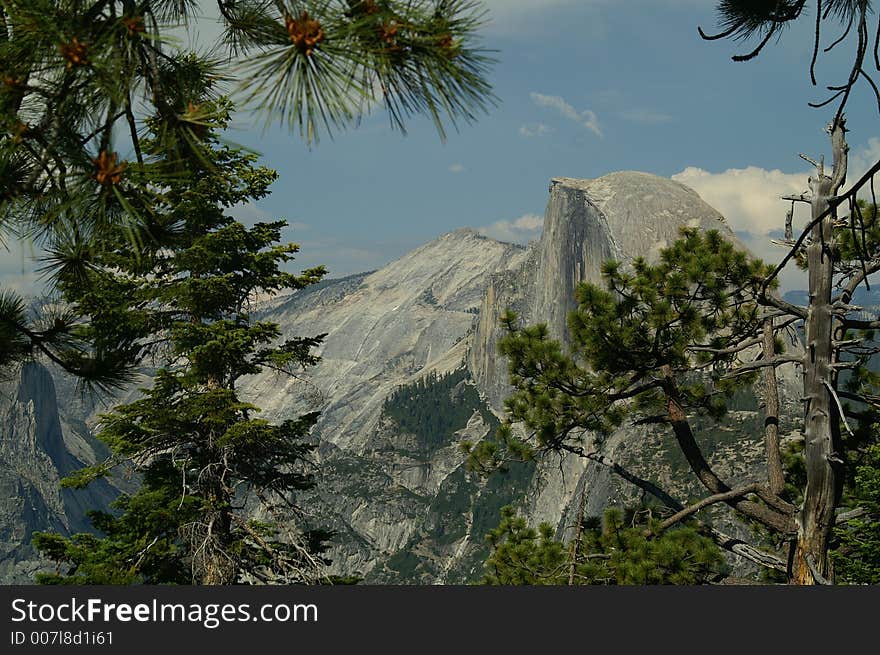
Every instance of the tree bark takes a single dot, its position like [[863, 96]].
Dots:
[[822, 421], [691, 450], [775, 473], [579, 534]]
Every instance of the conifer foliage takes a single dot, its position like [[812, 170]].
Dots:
[[617, 551], [857, 543], [660, 344], [111, 163], [206, 458], [434, 407], [652, 341], [78, 78]]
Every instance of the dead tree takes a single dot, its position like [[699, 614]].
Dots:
[[827, 318]]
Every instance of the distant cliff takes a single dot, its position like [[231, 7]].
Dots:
[[37, 449], [620, 216], [403, 506]]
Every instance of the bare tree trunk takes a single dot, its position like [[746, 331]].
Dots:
[[775, 473], [810, 563], [578, 535], [677, 419], [218, 567]]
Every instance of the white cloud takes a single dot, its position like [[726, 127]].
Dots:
[[646, 116], [749, 198], [862, 159], [456, 169], [521, 230], [586, 117], [535, 130]]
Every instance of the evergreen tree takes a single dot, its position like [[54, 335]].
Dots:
[[620, 551], [77, 77], [109, 163], [207, 461], [434, 407], [658, 345], [664, 343], [857, 553]]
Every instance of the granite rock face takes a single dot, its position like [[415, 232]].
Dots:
[[37, 449], [384, 329], [620, 216], [385, 493], [404, 508]]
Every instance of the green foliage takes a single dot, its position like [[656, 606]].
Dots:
[[617, 552], [434, 407], [204, 455], [319, 65], [90, 89], [140, 542], [856, 555]]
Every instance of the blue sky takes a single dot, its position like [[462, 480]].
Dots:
[[586, 87]]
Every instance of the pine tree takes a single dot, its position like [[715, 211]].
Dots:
[[207, 460], [659, 344], [664, 344], [79, 78], [619, 551], [856, 556], [104, 126]]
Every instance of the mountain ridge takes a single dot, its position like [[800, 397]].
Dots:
[[405, 508]]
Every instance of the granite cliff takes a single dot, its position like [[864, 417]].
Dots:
[[402, 504], [37, 448]]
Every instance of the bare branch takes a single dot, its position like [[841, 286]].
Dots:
[[727, 351], [850, 515], [747, 551], [764, 363], [775, 473], [849, 289], [705, 502], [832, 205], [725, 541], [839, 405], [786, 307], [809, 160]]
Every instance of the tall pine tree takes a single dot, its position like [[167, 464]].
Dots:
[[206, 459]]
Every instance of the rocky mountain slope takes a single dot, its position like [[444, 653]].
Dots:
[[419, 338], [37, 448], [405, 509]]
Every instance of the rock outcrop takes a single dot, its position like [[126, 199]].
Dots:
[[400, 500], [37, 449], [620, 216], [384, 329]]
